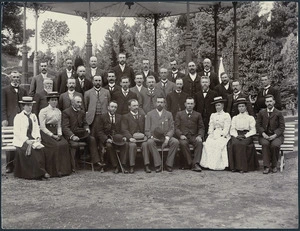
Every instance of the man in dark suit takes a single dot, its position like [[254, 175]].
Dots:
[[41, 97], [36, 85], [64, 76], [164, 84], [122, 69], [75, 128], [174, 73], [122, 97], [11, 95], [82, 84], [93, 70], [162, 119], [204, 98], [65, 98], [111, 86], [109, 126], [149, 97], [224, 88], [139, 88], [132, 123], [231, 100], [191, 82], [176, 99], [270, 126], [214, 80], [147, 72], [267, 89], [189, 129]]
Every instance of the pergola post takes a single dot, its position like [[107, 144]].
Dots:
[[35, 60], [88, 45], [155, 24], [188, 36], [215, 16], [24, 50], [235, 51]]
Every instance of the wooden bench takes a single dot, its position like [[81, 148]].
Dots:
[[7, 135]]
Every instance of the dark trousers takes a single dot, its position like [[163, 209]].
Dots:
[[185, 150], [111, 151], [92, 146], [270, 151], [132, 153], [94, 129]]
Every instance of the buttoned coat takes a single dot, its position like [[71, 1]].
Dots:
[[122, 101], [64, 100], [87, 86], [107, 129], [116, 88], [175, 102], [99, 72], [149, 101], [213, 77], [41, 102], [232, 109], [130, 125], [62, 79], [260, 102], [185, 125], [221, 90], [37, 84], [90, 102], [170, 87], [128, 72], [10, 103], [179, 75], [191, 87], [139, 94], [165, 122], [277, 124]]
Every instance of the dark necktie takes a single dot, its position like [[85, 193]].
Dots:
[[189, 115], [29, 130], [112, 119], [265, 92], [268, 126]]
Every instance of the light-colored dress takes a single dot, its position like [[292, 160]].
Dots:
[[214, 154]]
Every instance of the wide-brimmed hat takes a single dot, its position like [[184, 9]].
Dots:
[[139, 137], [27, 99], [53, 94], [118, 140], [218, 99], [159, 134], [240, 101]]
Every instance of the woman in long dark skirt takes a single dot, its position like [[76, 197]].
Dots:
[[242, 153], [29, 160], [58, 159]]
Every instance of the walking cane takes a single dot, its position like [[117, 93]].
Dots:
[[162, 157], [120, 163]]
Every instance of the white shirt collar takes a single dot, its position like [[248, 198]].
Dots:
[[139, 87], [237, 93], [159, 112], [164, 81], [112, 84], [125, 91], [178, 91], [226, 86], [175, 72], [146, 72], [270, 110], [267, 87], [134, 113], [71, 92], [122, 66], [188, 112], [69, 71], [44, 75]]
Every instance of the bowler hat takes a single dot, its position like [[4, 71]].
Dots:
[[158, 133], [240, 101], [81, 133], [53, 94], [218, 99], [27, 99], [118, 140]]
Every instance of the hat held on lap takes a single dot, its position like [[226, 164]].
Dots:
[[118, 140], [158, 133]]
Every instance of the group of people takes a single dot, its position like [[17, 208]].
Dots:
[[121, 111]]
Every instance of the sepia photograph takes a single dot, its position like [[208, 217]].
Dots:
[[149, 115]]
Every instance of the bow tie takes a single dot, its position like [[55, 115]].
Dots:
[[16, 87]]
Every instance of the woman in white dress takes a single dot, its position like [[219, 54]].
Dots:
[[214, 154]]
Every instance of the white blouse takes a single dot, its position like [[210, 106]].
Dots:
[[50, 115], [243, 121], [219, 121]]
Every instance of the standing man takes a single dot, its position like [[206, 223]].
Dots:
[[122, 69], [122, 97], [176, 99], [270, 126], [112, 87], [36, 85], [65, 98], [93, 70], [41, 97], [133, 125], [110, 126], [82, 84], [164, 84], [190, 130], [204, 99], [159, 122], [75, 128], [174, 73], [232, 108], [267, 89], [147, 72], [139, 88], [11, 95], [149, 97], [213, 77], [224, 88], [64, 76], [191, 82]]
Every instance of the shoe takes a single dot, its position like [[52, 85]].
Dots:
[[116, 170], [158, 169], [147, 169], [102, 170], [266, 170], [100, 164], [274, 170], [125, 170], [241, 171], [73, 171], [46, 176], [9, 170], [131, 170], [169, 169], [233, 170], [196, 168]]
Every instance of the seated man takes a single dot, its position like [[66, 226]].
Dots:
[[133, 123], [75, 128], [160, 118], [110, 126], [270, 126], [189, 128]]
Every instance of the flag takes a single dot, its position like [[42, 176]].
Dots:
[[221, 69]]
